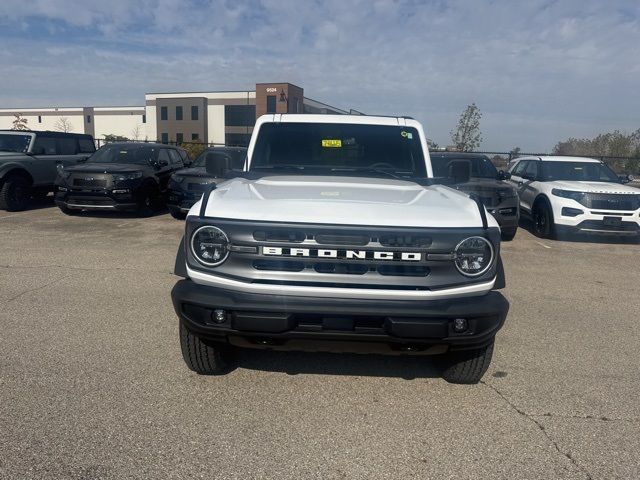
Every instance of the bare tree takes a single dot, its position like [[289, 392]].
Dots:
[[467, 136], [63, 125], [135, 132], [19, 122]]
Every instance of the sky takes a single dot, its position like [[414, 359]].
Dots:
[[540, 71]]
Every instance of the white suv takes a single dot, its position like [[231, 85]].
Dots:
[[575, 193]]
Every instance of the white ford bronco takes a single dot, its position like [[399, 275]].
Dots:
[[335, 237]]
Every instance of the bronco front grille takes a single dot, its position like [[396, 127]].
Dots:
[[345, 256]]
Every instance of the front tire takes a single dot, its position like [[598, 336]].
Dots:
[[15, 193], [543, 223], [178, 215], [508, 235], [200, 357], [467, 366], [149, 202]]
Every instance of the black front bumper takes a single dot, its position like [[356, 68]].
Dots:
[[96, 200], [507, 214], [327, 324], [182, 200]]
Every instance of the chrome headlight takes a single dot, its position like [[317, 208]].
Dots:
[[121, 177], [573, 195], [473, 256], [210, 245]]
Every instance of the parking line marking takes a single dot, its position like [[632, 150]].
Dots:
[[543, 245]]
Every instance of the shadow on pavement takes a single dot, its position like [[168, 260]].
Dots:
[[584, 237], [364, 365]]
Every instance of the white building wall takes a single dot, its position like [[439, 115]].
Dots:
[[151, 125], [125, 122], [48, 118], [215, 124]]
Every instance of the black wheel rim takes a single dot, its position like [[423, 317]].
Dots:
[[541, 221], [18, 194]]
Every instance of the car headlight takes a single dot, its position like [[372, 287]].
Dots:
[[573, 195], [121, 177], [177, 178], [210, 245], [506, 193], [473, 256]]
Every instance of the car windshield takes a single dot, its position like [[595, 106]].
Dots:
[[235, 156], [481, 166], [10, 142], [333, 148], [133, 154], [578, 171]]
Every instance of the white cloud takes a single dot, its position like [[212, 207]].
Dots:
[[540, 71]]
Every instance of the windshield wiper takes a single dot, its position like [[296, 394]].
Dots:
[[372, 170]]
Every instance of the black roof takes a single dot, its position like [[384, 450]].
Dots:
[[457, 154], [138, 144]]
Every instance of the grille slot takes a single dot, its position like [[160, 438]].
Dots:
[[417, 241], [403, 271], [347, 239], [279, 236], [278, 265], [341, 268]]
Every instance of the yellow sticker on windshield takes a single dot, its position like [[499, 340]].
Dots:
[[329, 143]]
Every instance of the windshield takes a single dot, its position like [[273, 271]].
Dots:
[[325, 148], [481, 167], [578, 171], [132, 154], [236, 157], [14, 143]]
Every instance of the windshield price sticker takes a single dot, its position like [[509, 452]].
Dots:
[[330, 143]]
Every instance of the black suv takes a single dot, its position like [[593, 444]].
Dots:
[[186, 186], [120, 176], [29, 161], [485, 182]]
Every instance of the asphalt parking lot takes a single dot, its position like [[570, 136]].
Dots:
[[93, 385]]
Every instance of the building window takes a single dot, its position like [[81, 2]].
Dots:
[[194, 136], [164, 113], [144, 118], [178, 113], [165, 138], [194, 112], [88, 118], [271, 104], [39, 119], [237, 139], [179, 138], [239, 115]]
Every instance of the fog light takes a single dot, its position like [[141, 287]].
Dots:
[[460, 325], [62, 189], [571, 212], [219, 316]]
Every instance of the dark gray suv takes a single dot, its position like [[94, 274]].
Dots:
[[29, 163]]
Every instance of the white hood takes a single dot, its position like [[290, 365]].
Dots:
[[342, 201], [594, 187]]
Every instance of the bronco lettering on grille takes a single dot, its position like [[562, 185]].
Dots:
[[345, 254]]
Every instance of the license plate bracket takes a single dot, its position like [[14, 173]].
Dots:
[[612, 221]]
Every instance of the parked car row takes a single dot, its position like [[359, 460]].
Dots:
[[557, 194]]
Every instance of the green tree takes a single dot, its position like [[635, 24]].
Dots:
[[194, 148], [110, 137], [19, 122], [467, 135]]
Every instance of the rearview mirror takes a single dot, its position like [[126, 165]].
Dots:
[[460, 171], [502, 175], [217, 165]]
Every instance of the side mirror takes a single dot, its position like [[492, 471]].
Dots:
[[626, 178], [528, 176], [217, 165], [460, 171], [159, 163], [502, 175]]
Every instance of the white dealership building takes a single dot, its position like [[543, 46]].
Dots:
[[211, 117]]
